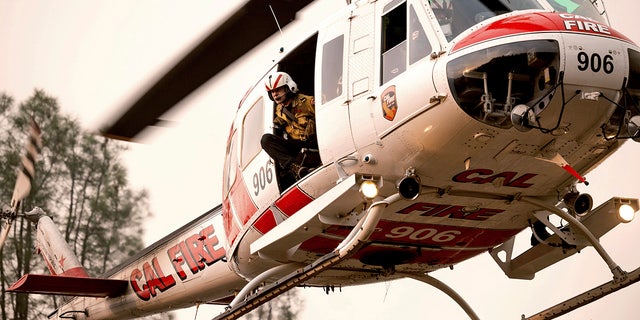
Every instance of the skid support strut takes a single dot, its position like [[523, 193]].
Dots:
[[618, 273], [621, 278], [356, 238], [447, 290]]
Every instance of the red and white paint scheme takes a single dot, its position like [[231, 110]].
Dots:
[[444, 129]]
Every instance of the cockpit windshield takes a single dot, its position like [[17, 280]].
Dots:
[[585, 8], [456, 16]]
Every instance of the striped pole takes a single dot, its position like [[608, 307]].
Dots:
[[26, 174]]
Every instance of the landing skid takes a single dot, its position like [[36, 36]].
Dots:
[[600, 221], [587, 297]]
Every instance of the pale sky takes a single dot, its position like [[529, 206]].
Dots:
[[95, 55]]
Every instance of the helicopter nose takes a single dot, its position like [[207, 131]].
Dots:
[[521, 61], [593, 52]]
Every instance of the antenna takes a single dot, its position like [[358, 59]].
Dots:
[[604, 10], [280, 29]]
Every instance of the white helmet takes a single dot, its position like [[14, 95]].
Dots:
[[279, 79]]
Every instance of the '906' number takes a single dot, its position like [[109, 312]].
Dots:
[[422, 234], [595, 62], [262, 178]]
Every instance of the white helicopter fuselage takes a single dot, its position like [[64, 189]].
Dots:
[[382, 126], [430, 105]]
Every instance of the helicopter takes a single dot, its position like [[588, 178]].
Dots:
[[434, 213]]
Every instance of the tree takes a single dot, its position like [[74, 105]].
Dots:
[[80, 183]]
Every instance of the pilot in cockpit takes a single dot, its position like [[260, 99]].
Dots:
[[294, 124], [443, 9]]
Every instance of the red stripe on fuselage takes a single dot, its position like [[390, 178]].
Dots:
[[266, 222], [321, 245], [289, 203], [422, 234], [243, 207], [230, 228], [292, 201], [538, 22], [442, 244]]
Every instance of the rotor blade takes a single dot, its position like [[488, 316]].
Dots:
[[249, 26]]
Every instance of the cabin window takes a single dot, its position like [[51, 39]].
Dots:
[[419, 46], [332, 57], [230, 166], [394, 40], [253, 129]]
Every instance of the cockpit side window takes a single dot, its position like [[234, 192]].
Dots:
[[394, 40], [403, 36], [419, 46]]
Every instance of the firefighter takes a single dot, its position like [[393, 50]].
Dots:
[[294, 124]]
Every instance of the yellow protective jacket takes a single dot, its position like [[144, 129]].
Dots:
[[299, 121]]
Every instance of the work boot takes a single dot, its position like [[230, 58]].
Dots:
[[298, 171]]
